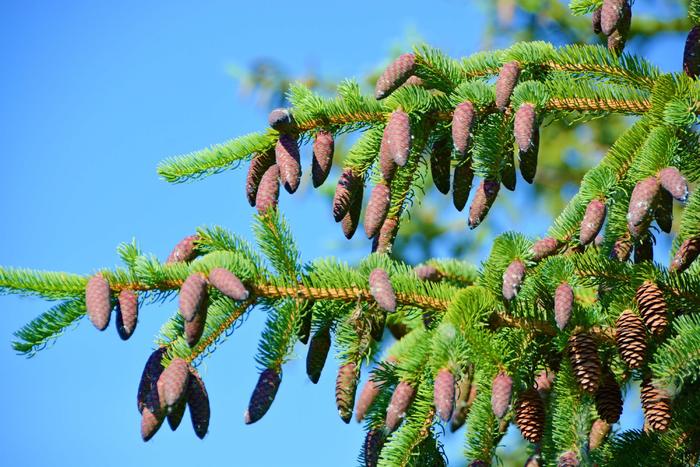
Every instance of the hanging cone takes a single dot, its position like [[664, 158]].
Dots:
[[257, 168], [599, 431], [281, 120], [149, 378], [384, 242], [483, 199], [462, 183], [263, 395], [466, 394], [563, 304], [618, 39], [377, 209], [345, 193], [621, 250], [440, 159], [98, 301], [691, 53], [528, 159], [631, 339], [150, 424], [345, 387], [387, 165], [583, 354], [513, 279], [127, 313], [382, 291], [444, 394], [288, 160], [185, 250], [595, 20], [530, 416], [568, 459], [395, 75], [372, 447], [463, 120], [501, 392], [269, 190], [544, 248], [686, 254], [193, 295], [397, 134], [401, 400], [176, 414], [664, 211], [656, 405], [428, 272], [592, 221], [508, 178], [195, 328], [198, 403], [642, 203], [172, 383], [306, 317], [644, 250], [228, 284], [613, 14], [317, 354], [674, 183], [322, 159], [524, 125], [507, 79], [352, 218], [652, 307], [608, 399]]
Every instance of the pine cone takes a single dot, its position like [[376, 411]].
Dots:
[[686, 254], [395, 75], [427, 272], [524, 126], [462, 183], [150, 423], [533, 461], [185, 250], [563, 304], [176, 414], [149, 378], [413, 80], [664, 211], [198, 402], [613, 14], [397, 134], [483, 199], [656, 405], [305, 318], [258, 165], [513, 279], [507, 79], [369, 392], [568, 459], [387, 166], [401, 400], [263, 395], [193, 295], [440, 159], [269, 190], [322, 159], [345, 193], [599, 431], [528, 159], [382, 291], [674, 183], [616, 42], [592, 221], [608, 399], [621, 250], [644, 250], [508, 178], [691, 53], [384, 242], [444, 394], [228, 284], [583, 354], [652, 307], [288, 160], [642, 203], [345, 387], [195, 328], [127, 313], [352, 218], [172, 383], [317, 354], [377, 209], [530, 416], [543, 382], [281, 120], [631, 339], [98, 301], [544, 248], [372, 447], [501, 392], [466, 394], [595, 20], [463, 120]]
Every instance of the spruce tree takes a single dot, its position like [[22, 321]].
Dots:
[[546, 334]]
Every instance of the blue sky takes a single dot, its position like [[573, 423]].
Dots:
[[92, 96]]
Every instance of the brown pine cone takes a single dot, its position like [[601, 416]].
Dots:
[[127, 313], [98, 301], [198, 402], [664, 211], [281, 119], [513, 279], [377, 209], [595, 20], [345, 193], [372, 447], [508, 178], [401, 400], [185, 250], [631, 339], [691, 53], [463, 120], [544, 248], [466, 394], [150, 423], [462, 183], [642, 203], [656, 405], [193, 295], [599, 431], [440, 159], [288, 160], [257, 168], [592, 221], [613, 15], [608, 399], [674, 183], [268, 190], [507, 79], [176, 414], [563, 304], [583, 354], [568, 459], [618, 38], [322, 159], [263, 395], [686, 254], [501, 392], [395, 75], [352, 218], [397, 134], [528, 159], [345, 387], [652, 307], [172, 383], [148, 383], [524, 126], [382, 291], [481, 204], [195, 328], [318, 352], [444, 394], [228, 284], [530, 416]]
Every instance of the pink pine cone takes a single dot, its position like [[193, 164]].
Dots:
[[512, 279], [686, 254], [185, 250], [381, 289], [127, 313], [427, 272], [372, 447], [228, 284], [524, 126], [612, 15], [401, 400], [592, 221], [345, 193], [481, 204], [288, 160], [501, 393], [545, 247], [462, 184], [150, 423], [257, 168], [568, 459], [377, 209], [367, 395], [269, 190], [281, 120], [172, 383], [395, 75], [263, 395], [398, 137], [195, 328], [384, 242], [322, 157], [462, 123], [98, 301], [193, 295], [642, 203], [198, 402], [563, 304], [674, 183], [444, 394], [507, 79]]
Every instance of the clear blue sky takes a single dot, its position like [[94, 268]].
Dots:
[[92, 96]]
